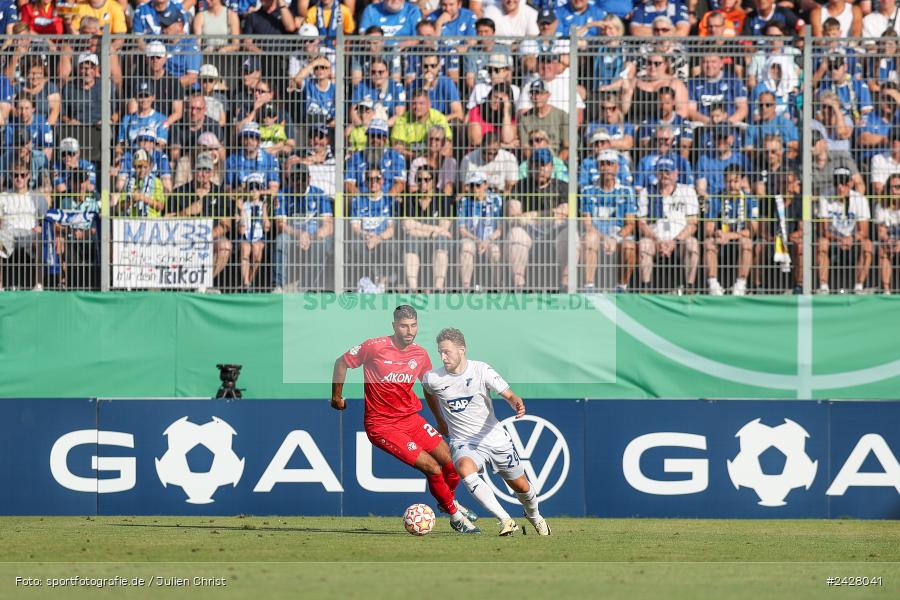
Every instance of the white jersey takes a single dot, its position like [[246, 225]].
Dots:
[[668, 215], [845, 216], [466, 404]]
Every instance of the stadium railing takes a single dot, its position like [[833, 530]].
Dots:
[[662, 164]]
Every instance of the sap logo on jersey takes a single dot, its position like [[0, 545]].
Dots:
[[459, 404], [397, 378], [745, 471], [227, 467], [538, 473]]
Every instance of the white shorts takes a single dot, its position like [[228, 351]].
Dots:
[[503, 459]]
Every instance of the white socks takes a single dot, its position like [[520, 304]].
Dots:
[[530, 503], [485, 496]]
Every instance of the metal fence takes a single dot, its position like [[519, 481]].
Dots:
[[598, 162]]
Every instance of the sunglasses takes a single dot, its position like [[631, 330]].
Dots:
[[70, 154], [321, 67], [767, 104], [610, 108], [374, 178], [21, 175], [664, 140], [656, 63], [535, 140], [423, 179], [262, 90], [429, 65], [495, 69]]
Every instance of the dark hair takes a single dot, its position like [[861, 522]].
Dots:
[[665, 91], [734, 168], [405, 311], [374, 29], [451, 334], [485, 22]]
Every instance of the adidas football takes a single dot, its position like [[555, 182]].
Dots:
[[418, 519]]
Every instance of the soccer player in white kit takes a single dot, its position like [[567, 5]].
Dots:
[[459, 395]]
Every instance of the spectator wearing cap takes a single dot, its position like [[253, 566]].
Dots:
[[213, 26], [668, 213], [769, 122], [539, 139], [441, 90], [315, 85], [551, 41], [712, 165], [202, 197], [645, 12], [494, 114], [608, 210], [43, 92], [538, 206], [425, 231], [70, 170], [614, 63], [159, 163], [480, 224], [476, 61], [410, 128], [107, 12], [763, 12], [390, 163], [243, 96], [853, 93], [276, 134], [454, 23], [148, 17], [874, 135], [715, 86], [216, 101], [499, 68], [250, 160], [184, 135], [843, 229], [513, 19], [388, 95], [20, 150], [731, 218], [253, 223], [666, 115], [145, 117], [552, 80], [69, 50], [727, 20], [397, 18], [372, 231], [589, 172], [664, 148], [184, 52], [849, 16], [142, 195], [304, 221], [153, 78], [35, 126], [581, 15], [81, 100], [886, 165], [887, 220], [208, 143], [435, 159], [310, 50], [498, 166]]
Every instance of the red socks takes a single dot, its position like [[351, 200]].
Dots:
[[450, 476], [442, 492]]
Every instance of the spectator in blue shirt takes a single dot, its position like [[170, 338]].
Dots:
[[305, 225], [764, 12], [577, 14], [454, 21], [645, 175], [731, 216], [480, 226], [874, 137], [184, 54], [372, 234], [770, 122], [391, 164], [9, 16], [613, 120], [711, 166], [856, 101], [70, 169], [159, 162], [147, 16], [442, 92], [387, 95], [646, 11], [715, 86], [40, 133], [318, 91], [146, 117], [397, 18], [589, 170], [251, 159], [666, 115]]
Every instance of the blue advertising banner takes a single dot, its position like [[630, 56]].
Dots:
[[44, 442], [653, 458]]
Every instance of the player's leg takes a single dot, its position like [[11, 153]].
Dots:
[[507, 463], [468, 463]]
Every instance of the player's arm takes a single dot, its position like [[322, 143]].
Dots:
[[436, 411], [338, 377], [515, 402]]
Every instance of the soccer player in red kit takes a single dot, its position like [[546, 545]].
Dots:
[[391, 365]]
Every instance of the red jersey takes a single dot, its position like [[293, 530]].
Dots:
[[389, 374]]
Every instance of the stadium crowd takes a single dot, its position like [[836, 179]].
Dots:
[[458, 143]]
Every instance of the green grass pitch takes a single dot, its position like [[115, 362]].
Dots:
[[374, 558]]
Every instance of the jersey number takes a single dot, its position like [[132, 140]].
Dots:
[[430, 430], [512, 460]]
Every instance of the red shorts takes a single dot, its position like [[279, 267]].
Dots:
[[404, 439]]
